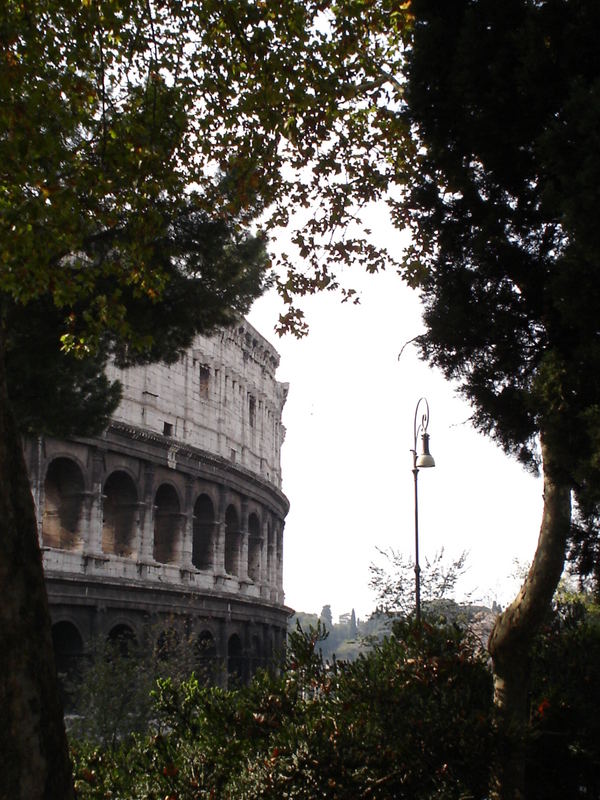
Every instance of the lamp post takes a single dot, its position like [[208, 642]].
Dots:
[[424, 460]]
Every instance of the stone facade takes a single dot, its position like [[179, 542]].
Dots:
[[176, 511]]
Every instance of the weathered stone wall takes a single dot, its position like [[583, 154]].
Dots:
[[221, 397], [175, 510]]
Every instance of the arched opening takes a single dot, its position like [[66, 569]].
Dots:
[[167, 645], [167, 522], [68, 655], [122, 640], [119, 515], [204, 526], [205, 654], [254, 543], [232, 542], [235, 661], [63, 491]]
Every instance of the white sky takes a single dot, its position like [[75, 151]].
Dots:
[[347, 466], [347, 462]]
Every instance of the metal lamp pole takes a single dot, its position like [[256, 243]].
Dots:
[[424, 459]]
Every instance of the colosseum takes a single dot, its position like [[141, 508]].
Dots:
[[176, 512]]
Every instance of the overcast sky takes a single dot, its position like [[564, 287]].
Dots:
[[347, 466]]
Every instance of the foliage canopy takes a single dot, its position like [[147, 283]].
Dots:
[[501, 204]]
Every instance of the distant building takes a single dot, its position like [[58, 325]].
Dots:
[[176, 512]]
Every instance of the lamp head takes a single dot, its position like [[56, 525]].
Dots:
[[425, 459]]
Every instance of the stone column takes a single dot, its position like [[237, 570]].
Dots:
[[271, 556], [146, 549], [279, 560], [219, 536], [214, 538], [264, 549], [247, 668], [91, 518], [187, 526], [140, 507], [221, 654], [243, 545], [37, 487], [179, 528]]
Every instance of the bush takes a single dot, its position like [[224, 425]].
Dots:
[[408, 719], [564, 750]]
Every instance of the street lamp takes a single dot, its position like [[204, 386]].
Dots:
[[424, 460]]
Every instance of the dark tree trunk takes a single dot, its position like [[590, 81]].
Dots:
[[33, 744], [515, 629]]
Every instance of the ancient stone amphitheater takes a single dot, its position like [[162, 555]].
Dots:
[[175, 514]]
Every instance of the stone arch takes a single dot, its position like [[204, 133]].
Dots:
[[205, 656], [232, 541], [68, 655], [167, 644], [67, 642], [235, 658], [254, 546], [203, 533], [122, 637], [119, 514], [167, 524], [64, 492]]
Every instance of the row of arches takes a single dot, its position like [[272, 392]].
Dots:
[[215, 663], [243, 547]]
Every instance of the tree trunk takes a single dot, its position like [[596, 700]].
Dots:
[[513, 634], [33, 743]]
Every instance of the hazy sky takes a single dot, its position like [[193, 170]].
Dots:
[[347, 465]]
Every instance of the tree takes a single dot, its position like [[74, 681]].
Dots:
[[128, 129], [563, 753], [105, 251], [501, 198], [326, 617], [212, 273], [353, 624], [394, 581]]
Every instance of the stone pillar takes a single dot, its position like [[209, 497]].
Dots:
[[261, 547], [187, 526], [221, 654], [180, 525], [214, 539], [271, 557], [139, 529], [279, 560], [264, 550], [146, 550], [91, 519], [247, 670], [37, 486], [219, 536], [243, 545]]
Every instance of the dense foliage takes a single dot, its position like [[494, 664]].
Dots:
[[501, 202], [409, 719], [501, 195], [412, 718], [129, 130], [122, 119], [564, 748]]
